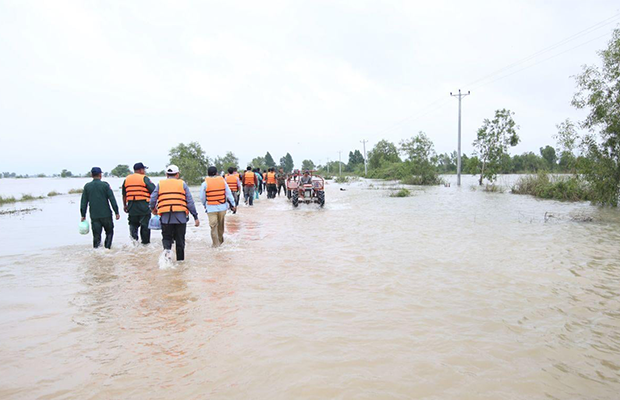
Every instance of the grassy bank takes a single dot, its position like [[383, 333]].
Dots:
[[25, 197], [545, 186]]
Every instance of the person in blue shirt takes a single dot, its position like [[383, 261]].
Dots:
[[216, 197]]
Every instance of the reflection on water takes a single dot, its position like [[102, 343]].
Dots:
[[451, 293]]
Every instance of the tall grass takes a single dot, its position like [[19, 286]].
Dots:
[[76, 191], [401, 193], [7, 200], [545, 186]]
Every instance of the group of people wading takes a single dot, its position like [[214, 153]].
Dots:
[[172, 201]]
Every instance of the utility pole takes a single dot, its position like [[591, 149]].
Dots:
[[339, 163], [328, 166], [365, 164], [458, 160]]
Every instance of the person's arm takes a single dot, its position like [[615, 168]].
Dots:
[[230, 197], [190, 204], [153, 201], [239, 185], [124, 192], [203, 194], [84, 203], [150, 186], [112, 201]]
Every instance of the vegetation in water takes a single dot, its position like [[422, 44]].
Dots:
[[342, 179], [401, 193], [29, 197], [120, 171], [76, 191], [492, 142], [7, 199], [53, 193], [565, 188]]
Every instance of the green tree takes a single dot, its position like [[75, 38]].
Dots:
[[121, 171], [548, 154], [229, 160], [492, 141], [420, 152], [259, 162], [65, 174], [307, 165], [191, 160], [269, 161], [567, 138], [599, 92], [286, 163], [355, 159], [383, 152]]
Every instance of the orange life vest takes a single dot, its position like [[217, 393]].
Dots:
[[216, 190], [232, 182], [249, 178], [135, 188], [171, 197], [271, 178]]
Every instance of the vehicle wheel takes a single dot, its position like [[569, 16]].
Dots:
[[321, 196], [295, 197]]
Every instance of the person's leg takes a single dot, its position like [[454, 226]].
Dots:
[[134, 224], [145, 232], [246, 190], [179, 239], [251, 194], [221, 217], [213, 221], [96, 226], [108, 226], [167, 231]]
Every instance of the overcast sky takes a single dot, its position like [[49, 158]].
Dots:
[[86, 83]]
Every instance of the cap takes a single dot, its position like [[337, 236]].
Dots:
[[172, 169], [138, 166], [95, 170]]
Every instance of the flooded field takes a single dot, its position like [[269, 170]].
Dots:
[[451, 293]]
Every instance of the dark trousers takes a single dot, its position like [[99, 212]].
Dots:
[[99, 224], [140, 222], [271, 191], [174, 233], [236, 195], [280, 187]]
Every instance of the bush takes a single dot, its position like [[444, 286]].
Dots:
[[342, 179], [76, 191], [401, 193], [493, 188], [558, 188], [29, 197], [6, 200], [53, 193]]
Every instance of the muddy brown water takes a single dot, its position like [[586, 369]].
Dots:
[[449, 294]]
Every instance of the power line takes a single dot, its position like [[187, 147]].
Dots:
[[438, 103], [547, 49]]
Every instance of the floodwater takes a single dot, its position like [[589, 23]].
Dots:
[[451, 293]]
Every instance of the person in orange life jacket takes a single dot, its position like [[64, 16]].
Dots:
[[216, 196], [271, 183], [173, 201], [234, 183], [250, 182], [137, 189]]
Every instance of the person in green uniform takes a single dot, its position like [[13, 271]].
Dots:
[[99, 196], [137, 189]]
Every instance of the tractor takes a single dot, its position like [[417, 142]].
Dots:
[[309, 193]]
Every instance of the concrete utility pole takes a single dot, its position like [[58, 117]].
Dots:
[[339, 163], [365, 163], [458, 160]]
